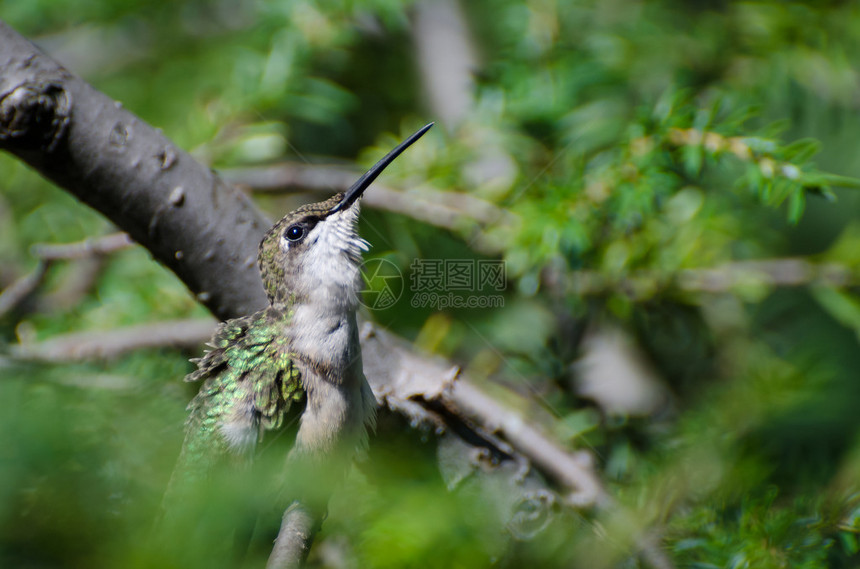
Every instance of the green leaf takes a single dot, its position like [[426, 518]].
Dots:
[[846, 249], [843, 307], [849, 542], [801, 150], [693, 158], [796, 205], [825, 179]]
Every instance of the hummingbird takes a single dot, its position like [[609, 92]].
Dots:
[[303, 347]]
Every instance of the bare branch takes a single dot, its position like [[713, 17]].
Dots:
[[768, 272], [113, 343], [87, 248], [20, 290], [788, 272], [294, 538], [453, 211], [76, 283], [447, 62], [573, 471], [446, 59], [81, 279], [407, 376]]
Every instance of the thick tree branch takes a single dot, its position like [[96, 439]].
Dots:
[[88, 144]]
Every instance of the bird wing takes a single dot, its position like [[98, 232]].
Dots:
[[249, 380]]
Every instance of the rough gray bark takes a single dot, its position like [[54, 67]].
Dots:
[[202, 229], [293, 542]]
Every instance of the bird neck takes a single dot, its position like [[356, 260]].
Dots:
[[322, 329], [339, 401]]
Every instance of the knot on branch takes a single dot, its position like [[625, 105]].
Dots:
[[35, 115]]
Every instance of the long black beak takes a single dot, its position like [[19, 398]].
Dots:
[[355, 191]]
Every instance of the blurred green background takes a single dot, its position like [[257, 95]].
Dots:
[[646, 154]]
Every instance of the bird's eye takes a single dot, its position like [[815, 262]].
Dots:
[[295, 232]]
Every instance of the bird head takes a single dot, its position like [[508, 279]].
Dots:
[[313, 254]]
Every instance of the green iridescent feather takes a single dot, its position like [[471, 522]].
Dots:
[[249, 383]]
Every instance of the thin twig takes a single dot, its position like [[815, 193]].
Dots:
[[89, 254], [787, 272], [446, 59], [453, 211], [113, 343], [770, 272], [24, 287], [77, 282], [90, 247], [19, 291]]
